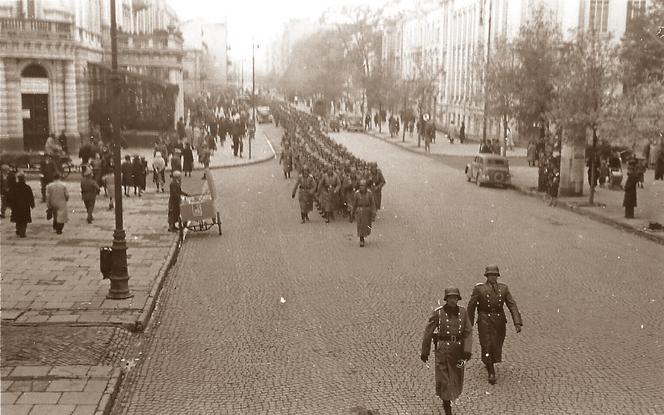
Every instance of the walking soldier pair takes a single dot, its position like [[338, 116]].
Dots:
[[450, 330]]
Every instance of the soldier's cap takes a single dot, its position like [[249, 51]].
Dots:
[[491, 270], [452, 291]]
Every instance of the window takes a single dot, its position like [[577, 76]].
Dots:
[[598, 18], [635, 9]]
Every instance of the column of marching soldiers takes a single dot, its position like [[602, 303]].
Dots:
[[330, 176]]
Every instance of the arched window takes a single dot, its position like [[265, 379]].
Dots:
[[34, 71]]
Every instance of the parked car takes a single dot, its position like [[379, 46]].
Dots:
[[263, 115], [334, 124], [489, 169], [355, 123]]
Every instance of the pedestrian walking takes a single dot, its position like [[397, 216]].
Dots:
[[108, 181], [138, 174], [175, 195], [364, 209], [488, 299], [8, 181], [629, 200], [378, 182], [328, 188], [21, 201], [47, 170], [89, 191], [306, 184], [187, 159], [204, 154], [57, 197], [462, 132], [159, 171], [286, 160], [451, 332], [127, 175]]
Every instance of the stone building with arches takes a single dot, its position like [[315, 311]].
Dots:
[[51, 52]]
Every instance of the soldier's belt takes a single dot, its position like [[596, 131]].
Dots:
[[449, 339], [495, 311]]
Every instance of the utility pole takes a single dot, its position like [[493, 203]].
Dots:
[[119, 275], [486, 75]]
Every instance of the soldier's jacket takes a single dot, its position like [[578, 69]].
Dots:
[[306, 184], [451, 332], [488, 300]]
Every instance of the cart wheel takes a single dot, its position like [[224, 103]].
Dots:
[[219, 223], [66, 169]]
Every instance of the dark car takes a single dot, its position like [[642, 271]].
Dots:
[[489, 169]]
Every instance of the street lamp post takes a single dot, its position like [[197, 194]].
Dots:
[[119, 275]]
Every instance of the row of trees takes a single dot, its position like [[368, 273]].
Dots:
[[584, 85], [587, 88]]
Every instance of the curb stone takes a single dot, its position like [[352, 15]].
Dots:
[[563, 205], [573, 207]]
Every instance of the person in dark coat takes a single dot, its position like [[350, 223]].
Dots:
[[450, 331], [364, 208], [138, 174], [488, 299], [378, 183], [127, 175], [89, 191], [187, 159], [48, 171], [21, 201], [176, 164], [629, 201], [659, 165], [175, 194], [307, 186]]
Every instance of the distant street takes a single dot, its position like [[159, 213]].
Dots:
[[282, 318]]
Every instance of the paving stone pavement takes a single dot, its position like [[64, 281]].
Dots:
[[59, 353], [275, 317]]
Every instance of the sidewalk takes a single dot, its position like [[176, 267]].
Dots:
[[608, 203], [53, 281], [441, 147]]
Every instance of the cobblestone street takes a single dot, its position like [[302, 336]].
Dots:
[[282, 318]]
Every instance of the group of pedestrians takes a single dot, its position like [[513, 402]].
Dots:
[[449, 329], [329, 176]]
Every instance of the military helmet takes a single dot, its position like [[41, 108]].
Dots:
[[452, 291], [491, 270]]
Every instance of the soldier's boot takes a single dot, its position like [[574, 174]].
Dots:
[[447, 405], [306, 217], [302, 216], [492, 373]]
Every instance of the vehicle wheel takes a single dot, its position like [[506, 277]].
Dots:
[[477, 180], [66, 169]]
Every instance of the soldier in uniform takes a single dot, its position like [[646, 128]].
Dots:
[[451, 331], [378, 181], [286, 159], [488, 298], [328, 188], [307, 185]]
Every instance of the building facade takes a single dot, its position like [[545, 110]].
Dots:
[[460, 46], [52, 53]]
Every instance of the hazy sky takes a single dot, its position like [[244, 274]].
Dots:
[[258, 19]]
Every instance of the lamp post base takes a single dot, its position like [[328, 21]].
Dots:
[[119, 289]]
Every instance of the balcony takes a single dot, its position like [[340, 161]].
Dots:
[[156, 41], [35, 28]]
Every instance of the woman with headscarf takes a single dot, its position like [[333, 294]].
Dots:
[[364, 209], [21, 201]]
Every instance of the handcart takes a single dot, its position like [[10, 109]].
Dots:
[[198, 213]]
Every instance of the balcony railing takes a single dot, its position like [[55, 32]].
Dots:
[[35, 28], [156, 40]]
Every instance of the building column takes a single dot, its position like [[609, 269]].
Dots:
[[175, 77], [14, 113], [70, 105], [4, 108]]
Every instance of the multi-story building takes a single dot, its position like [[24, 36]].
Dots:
[[55, 59], [461, 44]]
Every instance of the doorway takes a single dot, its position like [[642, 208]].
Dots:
[[34, 103]]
